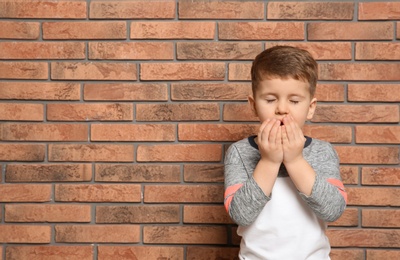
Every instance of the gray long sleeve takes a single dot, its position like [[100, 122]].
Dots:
[[244, 199]]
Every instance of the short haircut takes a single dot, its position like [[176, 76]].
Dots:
[[284, 62]]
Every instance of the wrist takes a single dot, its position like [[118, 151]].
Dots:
[[269, 164], [294, 162]]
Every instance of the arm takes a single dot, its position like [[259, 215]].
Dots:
[[247, 193], [317, 178], [244, 199], [328, 197]]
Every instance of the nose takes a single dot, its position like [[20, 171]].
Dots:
[[281, 108]]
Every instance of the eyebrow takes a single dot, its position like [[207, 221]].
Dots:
[[290, 95]]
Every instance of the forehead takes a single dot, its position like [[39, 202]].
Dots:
[[284, 86]]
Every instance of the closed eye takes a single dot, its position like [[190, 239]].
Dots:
[[294, 101], [270, 100]]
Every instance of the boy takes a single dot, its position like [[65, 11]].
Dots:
[[280, 186]]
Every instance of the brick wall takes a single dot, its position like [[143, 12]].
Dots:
[[116, 115]]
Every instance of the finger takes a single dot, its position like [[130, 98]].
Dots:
[[289, 130], [264, 131], [261, 129], [274, 131], [284, 135], [278, 141], [267, 130], [297, 132]]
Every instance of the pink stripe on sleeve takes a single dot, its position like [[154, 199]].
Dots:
[[229, 192], [339, 185]]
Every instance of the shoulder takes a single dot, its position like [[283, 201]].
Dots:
[[320, 144], [239, 146], [319, 149], [242, 148]]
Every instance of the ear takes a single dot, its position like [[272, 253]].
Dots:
[[252, 103], [311, 108]]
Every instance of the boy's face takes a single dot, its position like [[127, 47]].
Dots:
[[276, 98]]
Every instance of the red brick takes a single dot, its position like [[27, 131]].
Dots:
[[140, 252], [348, 219], [84, 30], [43, 132], [379, 11], [382, 254], [321, 50], [203, 173], [215, 132], [138, 214], [25, 193], [210, 91], [24, 70], [217, 50], [330, 92], [377, 51], [261, 31], [126, 92], [329, 133], [310, 11], [239, 112], [368, 155], [377, 134], [205, 253], [349, 174], [97, 193], [183, 193], [373, 92], [50, 252], [42, 50], [350, 31], [25, 234], [137, 173], [185, 235], [239, 71], [177, 112], [19, 30], [221, 10], [47, 213], [22, 152], [236, 239], [398, 30], [100, 9], [39, 90], [93, 71], [173, 30], [97, 233], [206, 215], [131, 50], [373, 196], [129, 132], [48, 172], [91, 152], [179, 153], [21, 112], [364, 238], [357, 113], [380, 176], [46, 9], [353, 254], [182, 71], [388, 218], [90, 112], [359, 71]]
